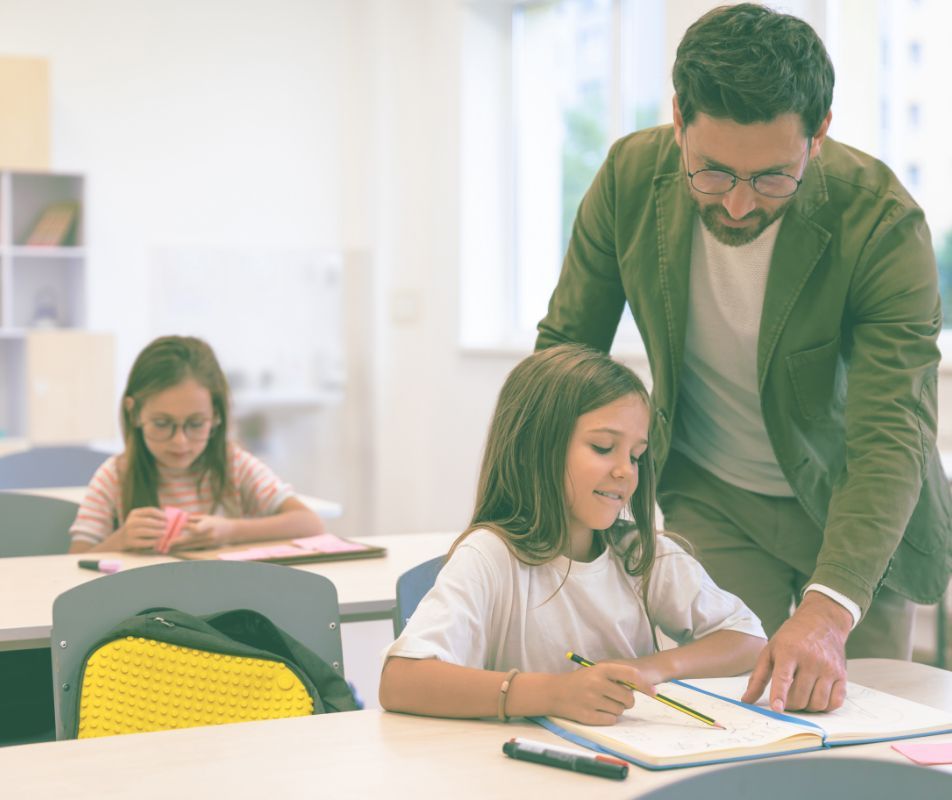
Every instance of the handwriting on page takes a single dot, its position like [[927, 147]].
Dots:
[[656, 730], [866, 713]]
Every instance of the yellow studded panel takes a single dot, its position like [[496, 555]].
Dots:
[[135, 684]]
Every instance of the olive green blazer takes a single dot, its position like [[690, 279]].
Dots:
[[847, 355]]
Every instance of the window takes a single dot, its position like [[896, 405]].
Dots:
[[560, 80]]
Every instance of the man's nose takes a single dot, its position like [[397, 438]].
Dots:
[[740, 200]]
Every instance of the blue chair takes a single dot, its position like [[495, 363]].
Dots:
[[45, 467], [411, 586], [32, 525], [304, 604]]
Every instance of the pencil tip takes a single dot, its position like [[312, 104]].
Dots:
[[719, 726]]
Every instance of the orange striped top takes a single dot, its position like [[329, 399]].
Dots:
[[255, 491]]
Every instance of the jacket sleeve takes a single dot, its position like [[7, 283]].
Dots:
[[891, 403], [589, 298]]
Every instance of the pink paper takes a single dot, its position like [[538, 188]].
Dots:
[[255, 553], [175, 520], [327, 543], [926, 752]]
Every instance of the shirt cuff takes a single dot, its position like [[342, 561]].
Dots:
[[840, 598]]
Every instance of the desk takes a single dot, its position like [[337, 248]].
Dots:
[[365, 587], [367, 754], [326, 509]]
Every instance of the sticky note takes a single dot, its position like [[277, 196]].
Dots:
[[926, 752]]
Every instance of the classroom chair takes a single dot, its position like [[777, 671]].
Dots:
[[303, 604], [32, 525], [48, 466], [819, 777], [411, 586]]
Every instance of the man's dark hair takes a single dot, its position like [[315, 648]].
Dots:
[[750, 64]]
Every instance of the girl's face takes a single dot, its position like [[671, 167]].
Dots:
[[601, 469], [184, 410]]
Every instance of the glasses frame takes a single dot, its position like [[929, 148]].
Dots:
[[214, 422], [752, 180]]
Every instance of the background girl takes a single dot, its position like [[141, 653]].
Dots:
[[552, 562], [174, 418]]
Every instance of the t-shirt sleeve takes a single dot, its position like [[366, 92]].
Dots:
[[454, 622], [98, 511], [261, 491], [685, 602]]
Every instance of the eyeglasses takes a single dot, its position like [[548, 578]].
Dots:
[[721, 181], [162, 429]]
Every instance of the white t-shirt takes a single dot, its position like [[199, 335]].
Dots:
[[488, 610]]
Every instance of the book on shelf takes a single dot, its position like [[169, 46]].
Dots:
[[323, 547], [54, 226], [655, 736]]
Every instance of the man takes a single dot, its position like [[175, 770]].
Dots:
[[785, 288]]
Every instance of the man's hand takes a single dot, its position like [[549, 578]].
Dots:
[[805, 661]]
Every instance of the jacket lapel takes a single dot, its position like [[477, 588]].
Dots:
[[800, 243], [675, 215]]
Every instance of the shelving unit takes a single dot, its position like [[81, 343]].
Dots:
[[52, 372]]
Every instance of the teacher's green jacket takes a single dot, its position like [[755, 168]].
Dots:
[[847, 354]]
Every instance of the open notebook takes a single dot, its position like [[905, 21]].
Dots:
[[655, 736], [324, 547]]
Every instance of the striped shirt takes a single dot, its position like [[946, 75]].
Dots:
[[255, 491]]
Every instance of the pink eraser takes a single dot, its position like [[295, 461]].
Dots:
[[109, 565]]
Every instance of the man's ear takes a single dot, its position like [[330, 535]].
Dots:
[[820, 135], [677, 119]]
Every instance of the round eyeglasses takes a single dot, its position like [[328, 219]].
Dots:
[[162, 429], [720, 181]]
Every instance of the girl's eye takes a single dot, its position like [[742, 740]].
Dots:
[[161, 423], [602, 451]]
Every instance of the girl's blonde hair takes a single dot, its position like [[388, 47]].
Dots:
[[164, 363], [521, 492]]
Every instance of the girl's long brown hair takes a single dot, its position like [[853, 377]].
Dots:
[[521, 494], [164, 363]]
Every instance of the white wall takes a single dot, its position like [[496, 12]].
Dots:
[[326, 124]]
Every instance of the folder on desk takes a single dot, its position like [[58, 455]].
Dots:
[[323, 547]]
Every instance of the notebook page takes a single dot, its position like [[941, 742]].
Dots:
[[866, 713], [660, 732]]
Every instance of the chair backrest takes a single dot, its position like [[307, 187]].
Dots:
[[45, 467], [32, 525], [304, 604], [411, 586], [818, 777]]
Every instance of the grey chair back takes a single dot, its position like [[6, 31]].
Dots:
[[815, 777], [32, 525], [411, 586], [304, 604], [45, 467]]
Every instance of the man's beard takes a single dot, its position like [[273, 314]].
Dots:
[[712, 214]]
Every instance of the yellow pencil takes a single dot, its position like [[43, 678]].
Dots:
[[668, 701]]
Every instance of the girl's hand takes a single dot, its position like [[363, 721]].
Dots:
[[142, 529], [204, 531], [597, 695]]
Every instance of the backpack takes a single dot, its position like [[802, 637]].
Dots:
[[164, 668]]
